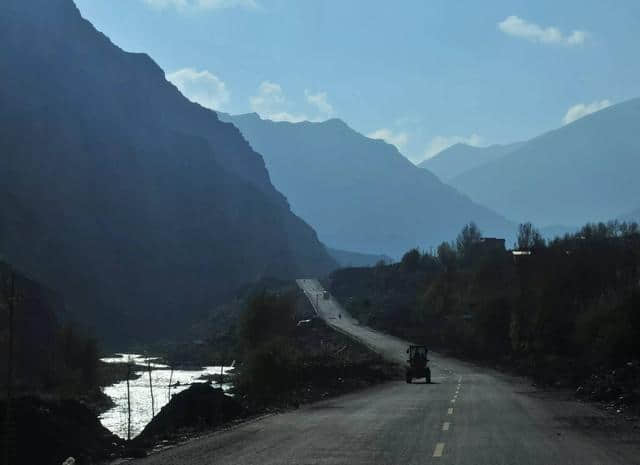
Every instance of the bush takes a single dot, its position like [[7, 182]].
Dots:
[[270, 361]]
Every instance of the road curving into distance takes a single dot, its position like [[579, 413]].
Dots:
[[470, 415]]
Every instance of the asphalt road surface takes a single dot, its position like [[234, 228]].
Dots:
[[468, 416]]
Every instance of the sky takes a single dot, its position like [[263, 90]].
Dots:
[[420, 74]]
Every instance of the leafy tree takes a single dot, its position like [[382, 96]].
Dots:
[[446, 256], [266, 316], [410, 260], [467, 240], [529, 237]]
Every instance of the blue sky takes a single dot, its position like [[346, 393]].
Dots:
[[421, 74]]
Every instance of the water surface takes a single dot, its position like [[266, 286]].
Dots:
[[115, 419]]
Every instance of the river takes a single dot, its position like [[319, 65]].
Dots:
[[115, 419]]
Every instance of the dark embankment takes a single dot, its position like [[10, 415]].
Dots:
[[46, 432], [198, 408], [565, 313]]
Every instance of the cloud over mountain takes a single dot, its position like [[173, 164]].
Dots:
[[583, 109], [201, 87], [397, 138]]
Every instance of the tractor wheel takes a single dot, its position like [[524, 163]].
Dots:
[[427, 377]]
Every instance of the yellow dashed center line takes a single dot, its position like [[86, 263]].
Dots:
[[439, 449], [450, 411], [445, 426], [453, 401]]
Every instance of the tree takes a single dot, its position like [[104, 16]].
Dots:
[[410, 260], [267, 316], [529, 237], [446, 256], [467, 240]]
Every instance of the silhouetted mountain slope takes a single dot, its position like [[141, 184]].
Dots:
[[584, 171], [360, 194], [119, 192], [458, 158]]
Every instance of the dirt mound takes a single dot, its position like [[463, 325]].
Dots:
[[199, 407], [49, 431]]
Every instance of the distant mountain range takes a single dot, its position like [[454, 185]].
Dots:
[[137, 205], [584, 171], [458, 158], [361, 194], [355, 259]]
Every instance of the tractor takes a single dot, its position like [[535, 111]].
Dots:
[[417, 364]]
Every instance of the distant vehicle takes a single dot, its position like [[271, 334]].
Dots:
[[310, 323], [418, 364], [325, 295]]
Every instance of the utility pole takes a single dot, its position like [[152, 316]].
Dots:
[[10, 294], [153, 409], [128, 401]]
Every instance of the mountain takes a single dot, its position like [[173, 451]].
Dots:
[[359, 193], [584, 171], [458, 158], [348, 259], [35, 320], [138, 206]]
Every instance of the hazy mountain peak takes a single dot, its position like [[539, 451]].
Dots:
[[359, 193], [461, 157], [583, 171]]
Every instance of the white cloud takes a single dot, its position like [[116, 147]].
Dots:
[[399, 139], [439, 143], [518, 27], [271, 103], [202, 87], [203, 4], [583, 109], [319, 100]]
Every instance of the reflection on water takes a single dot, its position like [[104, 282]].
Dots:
[[115, 419]]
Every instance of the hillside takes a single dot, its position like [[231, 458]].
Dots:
[[458, 158], [137, 205], [360, 194], [584, 171]]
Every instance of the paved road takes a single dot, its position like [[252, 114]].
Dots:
[[469, 416]]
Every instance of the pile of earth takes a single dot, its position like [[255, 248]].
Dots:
[[45, 431], [618, 389], [200, 407]]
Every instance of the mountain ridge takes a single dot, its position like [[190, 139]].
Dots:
[[135, 204], [459, 158], [360, 194], [586, 167]]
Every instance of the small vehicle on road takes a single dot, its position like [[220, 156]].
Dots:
[[418, 364]]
